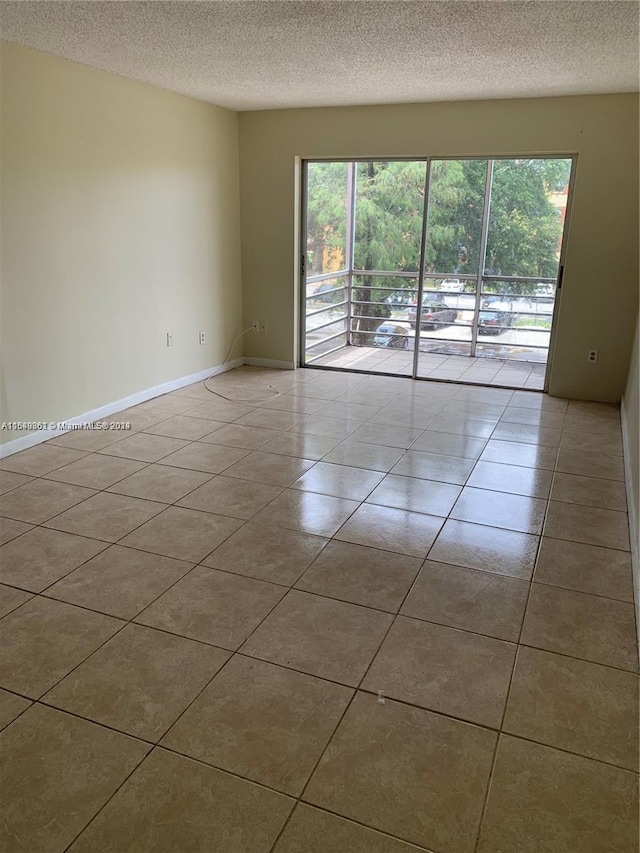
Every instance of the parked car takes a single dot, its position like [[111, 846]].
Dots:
[[435, 314], [452, 285], [400, 297], [391, 335], [494, 322]]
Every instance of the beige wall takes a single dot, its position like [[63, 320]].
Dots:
[[632, 431], [600, 296], [120, 222]]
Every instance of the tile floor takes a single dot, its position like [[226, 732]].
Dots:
[[368, 615], [512, 373]]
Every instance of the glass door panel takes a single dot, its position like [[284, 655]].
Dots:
[[451, 259]]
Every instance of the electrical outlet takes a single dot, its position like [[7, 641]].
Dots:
[[169, 339], [255, 326], [263, 327], [202, 337], [592, 356]]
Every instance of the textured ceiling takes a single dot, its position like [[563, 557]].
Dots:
[[271, 54]]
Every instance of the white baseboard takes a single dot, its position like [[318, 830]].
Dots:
[[634, 532], [33, 438], [270, 362]]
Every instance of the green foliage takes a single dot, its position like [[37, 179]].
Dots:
[[524, 226]]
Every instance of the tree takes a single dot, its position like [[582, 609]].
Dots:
[[524, 226]]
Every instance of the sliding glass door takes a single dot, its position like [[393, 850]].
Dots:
[[439, 268]]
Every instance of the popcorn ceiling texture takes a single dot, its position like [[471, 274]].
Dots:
[[270, 54]]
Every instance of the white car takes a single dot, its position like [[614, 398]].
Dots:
[[452, 285]]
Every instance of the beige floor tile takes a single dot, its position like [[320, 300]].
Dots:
[[576, 706], [40, 500], [432, 466], [515, 479], [39, 460], [589, 491], [535, 417], [95, 471], [591, 442], [590, 464], [585, 568], [292, 403], [391, 529], [491, 549], [493, 396], [320, 636], [315, 831], [307, 511], [210, 458], [340, 481], [139, 682], [10, 529], [88, 440], [482, 602], [217, 409], [120, 581], [188, 428], [591, 525], [58, 773], [41, 557], [144, 447], [500, 509], [408, 772], [134, 419], [605, 426], [11, 706], [262, 722], [237, 435], [583, 626], [43, 640], [301, 444], [106, 516], [185, 534], [9, 481], [373, 457], [11, 598], [527, 434], [444, 669], [485, 411], [196, 391], [210, 811], [527, 399], [360, 575], [166, 404], [589, 807], [415, 494], [270, 419], [331, 427], [269, 468], [161, 483], [458, 423], [348, 411], [516, 453], [230, 496], [386, 435], [214, 607], [267, 553], [447, 444]]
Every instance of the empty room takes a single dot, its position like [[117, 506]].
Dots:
[[319, 426]]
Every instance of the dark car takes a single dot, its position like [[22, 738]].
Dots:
[[435, 314], [494, 322], [391, 335]]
